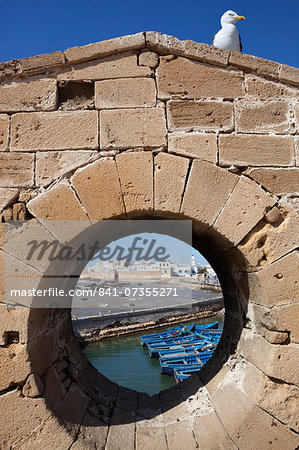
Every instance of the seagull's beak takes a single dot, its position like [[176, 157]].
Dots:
[[240, 18]]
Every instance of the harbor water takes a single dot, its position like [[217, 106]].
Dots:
[[124, 361]]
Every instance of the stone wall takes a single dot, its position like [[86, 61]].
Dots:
[[150, 126]]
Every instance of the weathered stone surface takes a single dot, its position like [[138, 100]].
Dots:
[[55, 131], [194, 145], [260, 88], [136, 178], [52, 433], [7, 196], [296, 115], [243, 150], [38, 95], [277, 181], [246, 206], [105, 48], [73, 406], [190, 115], [122, 65], [276, 361], [74, 95], [98, 188], [216, 184], [93, 434], [14, 365], [253, 63], [122, 430], [150, 438], [180, 435], [289, 74], [165, 45], [170, 178], [282, 401], [210, 434], [40, 62], [33, 387], [148, 58], [196, 80], [296, 142], [275, 337], [132, 128], [248, 425], [270, 241], [13, 319], [126, 399], [28, 413], [125, 93], [59, 203], [19, 211], [4, 125], [262, 117], [16, 170], [52, 165], [277, 284]]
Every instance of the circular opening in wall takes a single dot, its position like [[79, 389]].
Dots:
[[148, 310]]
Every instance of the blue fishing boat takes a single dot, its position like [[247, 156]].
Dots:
[[181, 375], [188, 350], [169, 364]]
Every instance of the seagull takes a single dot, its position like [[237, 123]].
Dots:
[[228, 37]]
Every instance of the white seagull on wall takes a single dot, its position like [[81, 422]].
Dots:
[[228, 37]]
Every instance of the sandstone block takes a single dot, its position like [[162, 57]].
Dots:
[[132, 128], [59, 203], [270, 241], [22, 414], [180, 435], [148, 58], [122, 430], [210, 433], [73, 406], [289, 74], [7, 196], [296, 114], [191, 79], [52, 165], [277, 181], [150, 438], [276, 361], [165, 45], [248, 425], [275, 337], [194, 145], [277, 283], [93, 434], [19, 211], [136, 178], [16, 170], [170, 178], [121, 65], [105, 48], [55, 131], [260, 88], [38, 95], [40, 62], [190, 115], [4, 126], [125, 93], [98, 188], [33, 387], [259, 65], [14, 365], [262, 117], [207, 182], [246, 206], [243, 150]]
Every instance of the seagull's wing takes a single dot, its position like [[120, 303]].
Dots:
[[213, 40], [241, 46]]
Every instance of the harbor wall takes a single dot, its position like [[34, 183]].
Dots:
[[93, 328], [148, 126]]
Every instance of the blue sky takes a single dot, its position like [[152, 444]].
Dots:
[[177, 249], [33, 27]]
